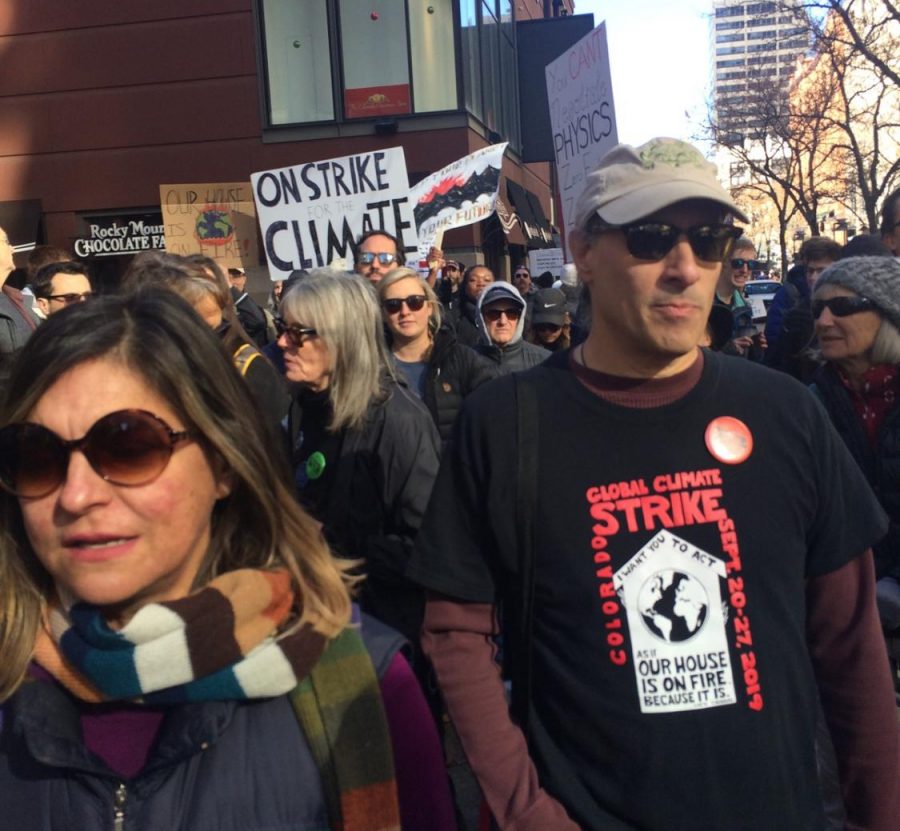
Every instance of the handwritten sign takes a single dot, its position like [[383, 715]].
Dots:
[[217, 220], [462, 193], [310, 214], [582, 115]]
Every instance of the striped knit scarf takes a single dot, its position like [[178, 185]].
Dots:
[[219, 644], [222, 643]]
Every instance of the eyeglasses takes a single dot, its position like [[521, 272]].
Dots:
[[69, 299], [521, 274], [740, 262], [369, 257], [294, 332], [493, 314], [841, 306], [127, 448], [653, 240], [414, 303]]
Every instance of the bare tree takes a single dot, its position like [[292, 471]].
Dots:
[[832, 136]]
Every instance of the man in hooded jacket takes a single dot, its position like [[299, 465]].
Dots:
[[500, 319]]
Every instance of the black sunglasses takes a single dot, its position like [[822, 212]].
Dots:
[[521, 274], [369, 257], [842, 306], [127, 447], [547, 327], [653, 240], [740, 262], [295, 332], [69, 299], [493, 315], [414, 302]]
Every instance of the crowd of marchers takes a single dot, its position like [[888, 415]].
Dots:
[[633, 543]]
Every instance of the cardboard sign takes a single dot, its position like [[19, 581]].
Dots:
[[311, 213], [545, 259], [582, 115], [217, 220], [463, 192]]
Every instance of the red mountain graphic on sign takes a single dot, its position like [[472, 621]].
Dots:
[[443, 187], [454, 191]]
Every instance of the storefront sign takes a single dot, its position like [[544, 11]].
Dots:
[[115, 236], [310, 214], [217, 220]]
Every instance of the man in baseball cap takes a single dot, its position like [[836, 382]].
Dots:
[[668, 643]]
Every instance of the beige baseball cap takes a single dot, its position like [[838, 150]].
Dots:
[[630, 183]]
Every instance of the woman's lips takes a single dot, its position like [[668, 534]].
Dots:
[[93, 549]]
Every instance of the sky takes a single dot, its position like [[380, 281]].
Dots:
[[659, 62]]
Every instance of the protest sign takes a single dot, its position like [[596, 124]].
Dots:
[[545, 259], [461, 193], [310, 214], [217, 220], [582, 116]]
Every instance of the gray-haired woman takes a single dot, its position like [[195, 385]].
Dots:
[[856, 308], [364, 448]]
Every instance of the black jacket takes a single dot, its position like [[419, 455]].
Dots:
[[463, 315], [881, 466], [514, 357], [454, 370], [378, 488]]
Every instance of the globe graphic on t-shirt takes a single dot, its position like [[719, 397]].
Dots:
[[673, 605]]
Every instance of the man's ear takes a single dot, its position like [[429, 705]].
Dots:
[[43, 304]]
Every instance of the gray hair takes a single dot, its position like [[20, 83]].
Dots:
[[886, 346], [395, 276], [341, 307]]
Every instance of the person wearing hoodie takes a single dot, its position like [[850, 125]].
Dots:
[[500, 317]]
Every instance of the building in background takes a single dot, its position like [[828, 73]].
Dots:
[[102, 103], [752, 43]]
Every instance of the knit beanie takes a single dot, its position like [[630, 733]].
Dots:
[[877, 278]]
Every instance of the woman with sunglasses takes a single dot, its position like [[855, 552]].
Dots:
[[856, 308], [174, 641], [441, 371], [364, 448]]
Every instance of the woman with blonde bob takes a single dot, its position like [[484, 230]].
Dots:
[[439, 369], [174, 641], [364, 449]]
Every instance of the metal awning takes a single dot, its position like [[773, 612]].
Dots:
[[22, 221]]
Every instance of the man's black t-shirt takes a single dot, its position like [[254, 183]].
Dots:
[[672, 684]]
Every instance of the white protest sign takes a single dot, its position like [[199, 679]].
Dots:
[[462, 193], [310, 214], [582, 115], [545, 259]]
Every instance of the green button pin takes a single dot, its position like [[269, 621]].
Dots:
[[315, 465]]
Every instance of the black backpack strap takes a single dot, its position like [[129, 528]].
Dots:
[[521, 603]]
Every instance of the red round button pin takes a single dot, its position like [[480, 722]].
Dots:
[[729, 440]]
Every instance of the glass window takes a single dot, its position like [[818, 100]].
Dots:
[[298, 61], [375, 59], [510, 97], [490, 68], [729, 11], [730, 38], [471, 55], [433, 56]]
